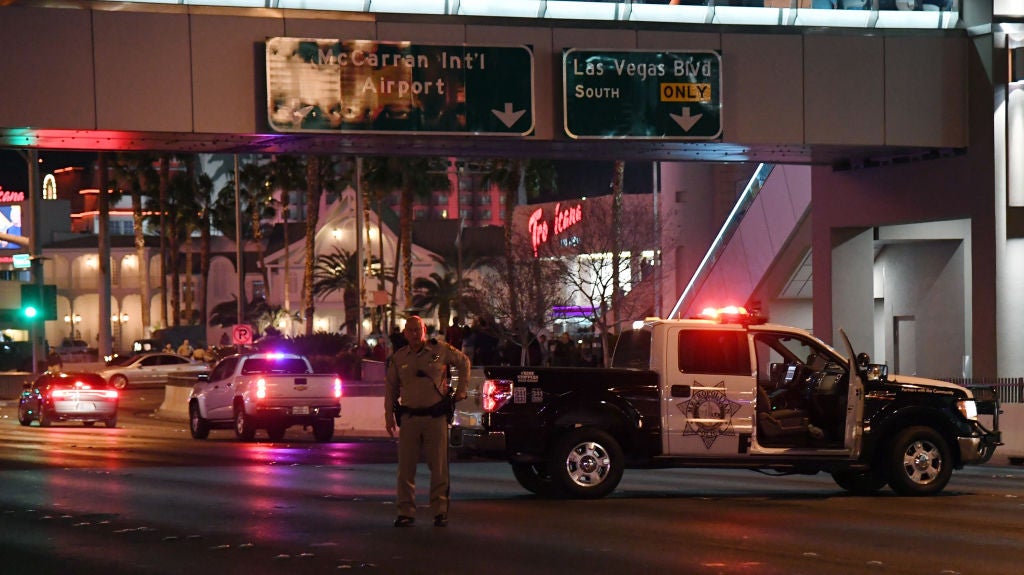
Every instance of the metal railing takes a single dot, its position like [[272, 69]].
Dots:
[[1008, 389]]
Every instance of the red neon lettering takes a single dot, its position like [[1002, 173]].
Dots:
[[566, 219], [538, 230], [10, 196]]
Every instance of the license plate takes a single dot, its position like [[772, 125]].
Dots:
[[300, 410], [85, 406]]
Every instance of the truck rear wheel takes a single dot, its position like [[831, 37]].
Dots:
[[245, 427], [276, 432], [919, 462], [860, 481], [323, 430], [534, 477], [586, 463]]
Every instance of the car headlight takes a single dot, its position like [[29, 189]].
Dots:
[[967, 408]]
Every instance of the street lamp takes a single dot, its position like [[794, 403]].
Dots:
[[120, 320]]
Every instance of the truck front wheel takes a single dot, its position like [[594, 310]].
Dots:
[[586, 464], [919, 462], [197, 426]]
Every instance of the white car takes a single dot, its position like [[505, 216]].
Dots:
[[150, 369]]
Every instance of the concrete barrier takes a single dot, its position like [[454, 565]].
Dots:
[[360, 416], [12, 382]]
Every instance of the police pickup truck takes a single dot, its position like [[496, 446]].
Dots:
[[270, 391], [730, 392]]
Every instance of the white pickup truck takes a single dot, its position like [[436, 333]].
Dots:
[[270, 391]]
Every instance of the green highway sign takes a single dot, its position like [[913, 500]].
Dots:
[[336, 86], [642, 94]]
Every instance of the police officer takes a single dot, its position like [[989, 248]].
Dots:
[[417, 383]]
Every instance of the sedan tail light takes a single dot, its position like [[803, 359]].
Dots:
[[496, 393]]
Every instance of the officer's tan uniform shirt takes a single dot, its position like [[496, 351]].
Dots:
[[417, 391]]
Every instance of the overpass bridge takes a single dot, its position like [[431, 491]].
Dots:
[[824, 87]]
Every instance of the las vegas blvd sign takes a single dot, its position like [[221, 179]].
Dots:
[[324, 85], [642, 94]]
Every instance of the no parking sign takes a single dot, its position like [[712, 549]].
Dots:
[[241, 334]]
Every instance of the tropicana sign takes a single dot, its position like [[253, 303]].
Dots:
[[563, 219]]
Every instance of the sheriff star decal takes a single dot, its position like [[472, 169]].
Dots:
[[708, 413]]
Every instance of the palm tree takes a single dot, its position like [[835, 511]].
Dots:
[[164, 184], [257, 189], [135, 173], [339, 271], [316, 175], [251, 204], [413, 178], [205, 200], [288, 173], [258, 313], [314, 188], [179, 218], [439, 292]]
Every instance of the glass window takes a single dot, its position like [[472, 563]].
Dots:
[[224, 369], [633, 349], [715, 351], [789, 350]]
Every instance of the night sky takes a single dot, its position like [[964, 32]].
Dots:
[[14, 172]]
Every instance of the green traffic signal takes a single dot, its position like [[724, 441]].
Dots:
[[30, 311]]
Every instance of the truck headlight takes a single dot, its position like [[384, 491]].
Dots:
[[968, 408]]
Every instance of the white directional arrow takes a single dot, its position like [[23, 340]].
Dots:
[[507, 116], [686, 121]]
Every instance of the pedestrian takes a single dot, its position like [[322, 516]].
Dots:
[[454, 334], [396, 339], [417, 400], [54, 363], [185, 349]]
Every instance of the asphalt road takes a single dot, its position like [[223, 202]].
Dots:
[[146, 498]]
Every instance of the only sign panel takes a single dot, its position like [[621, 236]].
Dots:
[[642, 94]]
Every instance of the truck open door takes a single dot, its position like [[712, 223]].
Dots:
[[854, 401]]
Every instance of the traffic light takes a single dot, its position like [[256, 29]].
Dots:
[[38, 302]]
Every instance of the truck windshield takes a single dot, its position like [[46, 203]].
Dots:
[[633, 349], [286, 366]]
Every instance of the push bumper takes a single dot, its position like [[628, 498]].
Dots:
[[979, 448]]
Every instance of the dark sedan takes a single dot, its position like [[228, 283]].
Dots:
[[54, 397]]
